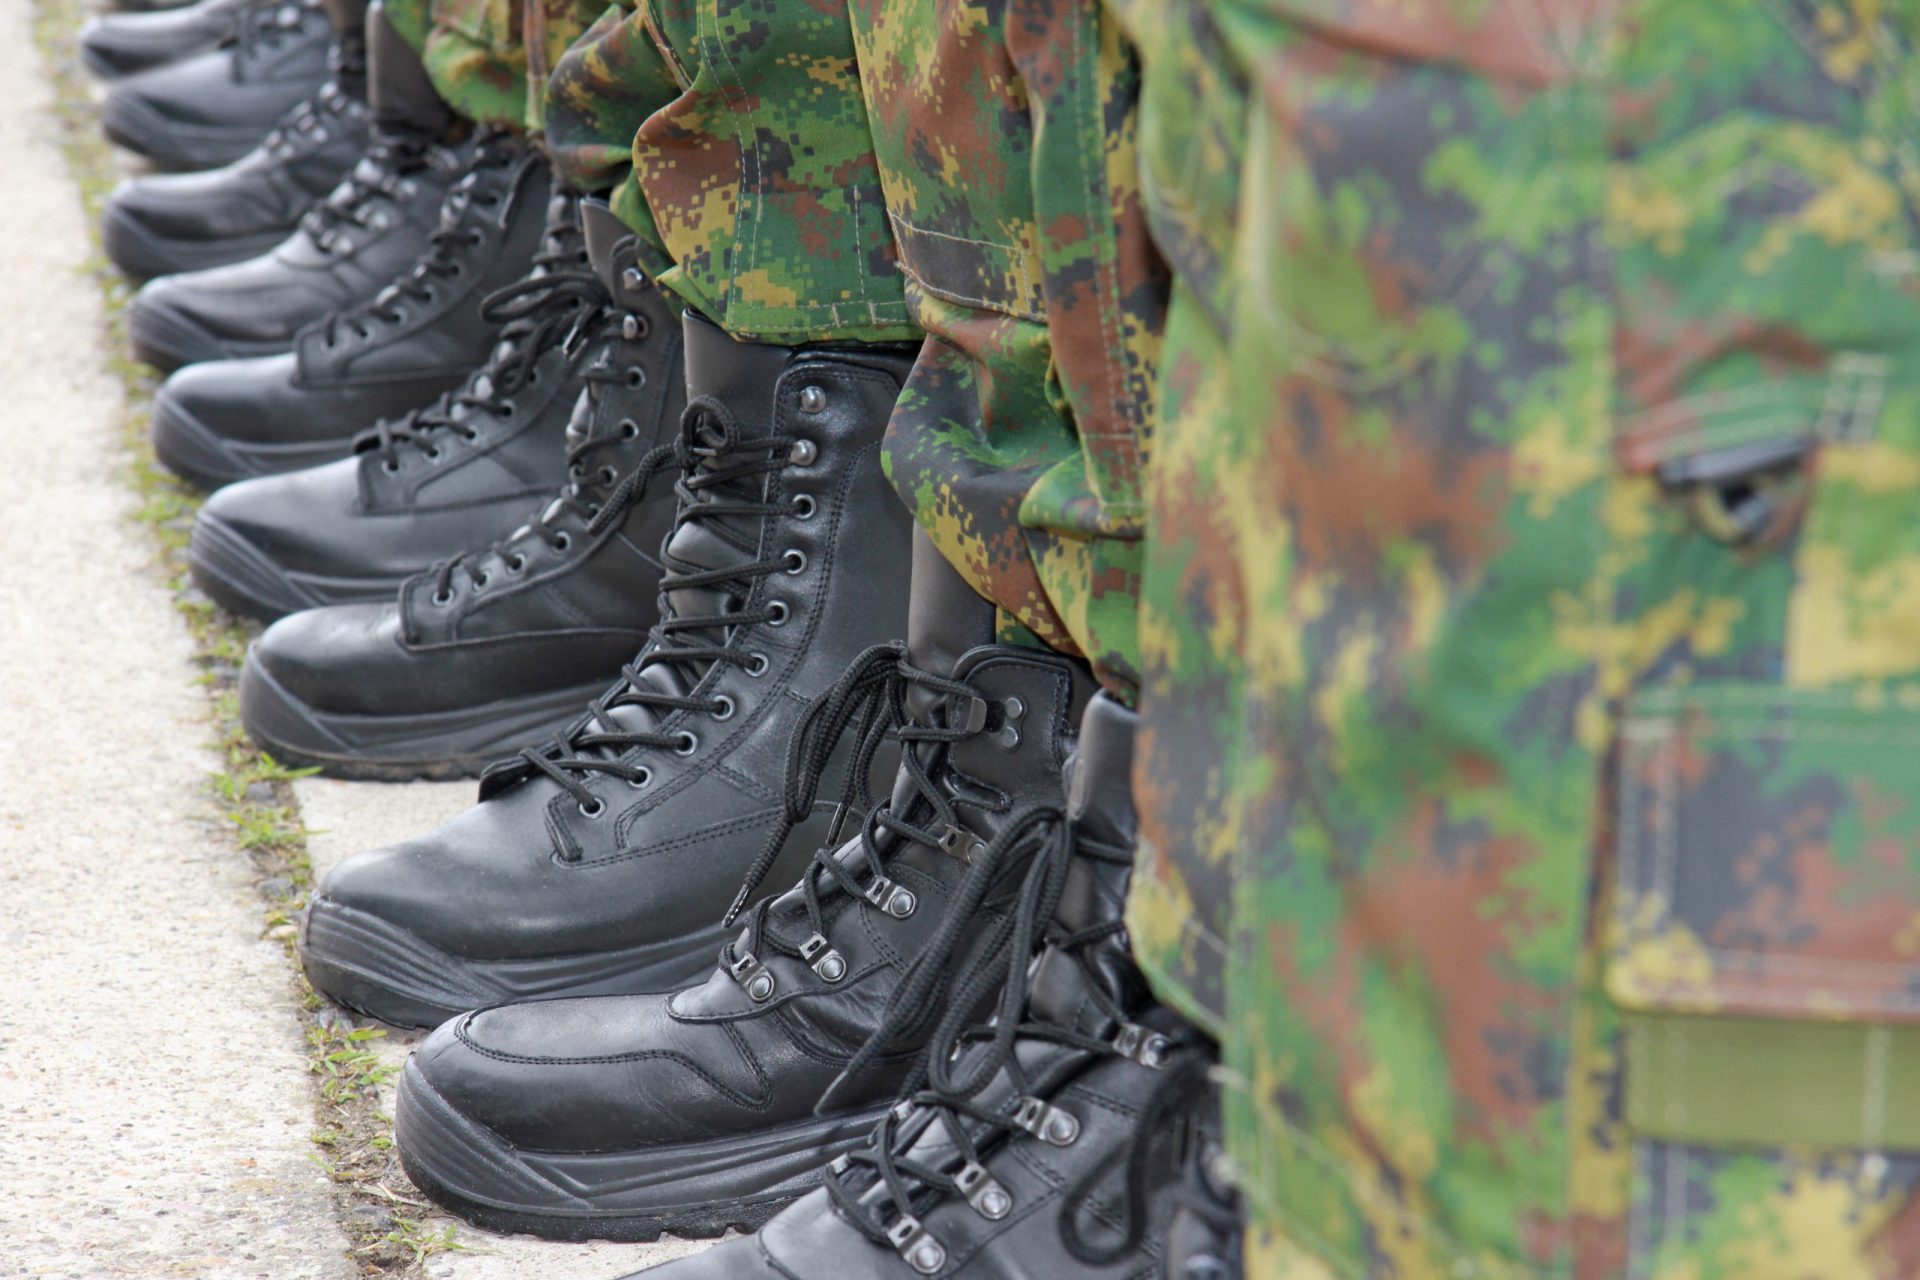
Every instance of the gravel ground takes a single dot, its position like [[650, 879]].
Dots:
[[154, 1106]]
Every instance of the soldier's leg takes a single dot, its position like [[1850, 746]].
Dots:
[[1560, 418]]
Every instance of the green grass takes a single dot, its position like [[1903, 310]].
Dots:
[[388, 1228]]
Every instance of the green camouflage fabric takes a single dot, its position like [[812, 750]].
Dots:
[[1531, 628], [1007, 142], [601, 90], [916, 167], [411, 19], [751, 154], [491, 59]]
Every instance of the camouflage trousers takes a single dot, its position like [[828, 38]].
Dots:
[[491, 59], [906, 170], [1531, 627]]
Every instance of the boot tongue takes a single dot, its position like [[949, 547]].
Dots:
[[742, 378], [609, 241], [559, 242]]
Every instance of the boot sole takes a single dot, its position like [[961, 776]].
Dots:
[[435, 745], [172, 145], [374, 967], [203, 458], [242, 579], [142, 254], [695, 1190]]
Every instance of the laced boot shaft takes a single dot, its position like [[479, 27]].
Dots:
[[428, 485], [559, 309], [374, 223], [622, 422], [409, 336], [1073, 1040], [602, 861], [531, 608]]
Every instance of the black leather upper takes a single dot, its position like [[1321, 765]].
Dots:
[[548, 617], [276, 56], [533, 870], [264, 191], [731, 1056], [1096, 1069], [372, 227], [122, 43], [390, 355], [446, 479]]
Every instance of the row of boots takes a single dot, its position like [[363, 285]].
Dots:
[[511, 514]]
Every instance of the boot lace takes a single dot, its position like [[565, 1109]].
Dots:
[[354, 203], [306, 124], [551, 306], [721, 476], [871, 698], [964, 1057], [263, 25]]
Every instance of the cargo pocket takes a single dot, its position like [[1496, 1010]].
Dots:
[[1765, 961]]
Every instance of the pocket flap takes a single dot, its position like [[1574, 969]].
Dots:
[[1766, 926]]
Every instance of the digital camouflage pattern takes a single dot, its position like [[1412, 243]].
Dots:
[[1531, 629], [1006, 136], [490, 59], [602, 89], [756, 170], [989, 201]]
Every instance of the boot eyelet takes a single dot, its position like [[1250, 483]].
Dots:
[[723, 708], [634, 278], [609, 476], [777, 613], [428, 294], [562, 541], [480, 580], [636, 377], [433, 455], [629, 429], [594, 810], [508, 409], [795, 560], [813, 399], [391, 467], [641, 778], [804, 507], [688, 744], [443, 598], [470, 436], [533, 377], [517, 564], [803, 453], [634, 327], [758, 664]]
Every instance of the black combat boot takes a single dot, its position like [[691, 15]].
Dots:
[[1037, 1145], [433, 484], [489, 651], [374, 225], [163, 223], [415, 340], [119, 44], [211, 108], [620, 1117], [602, 861]]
